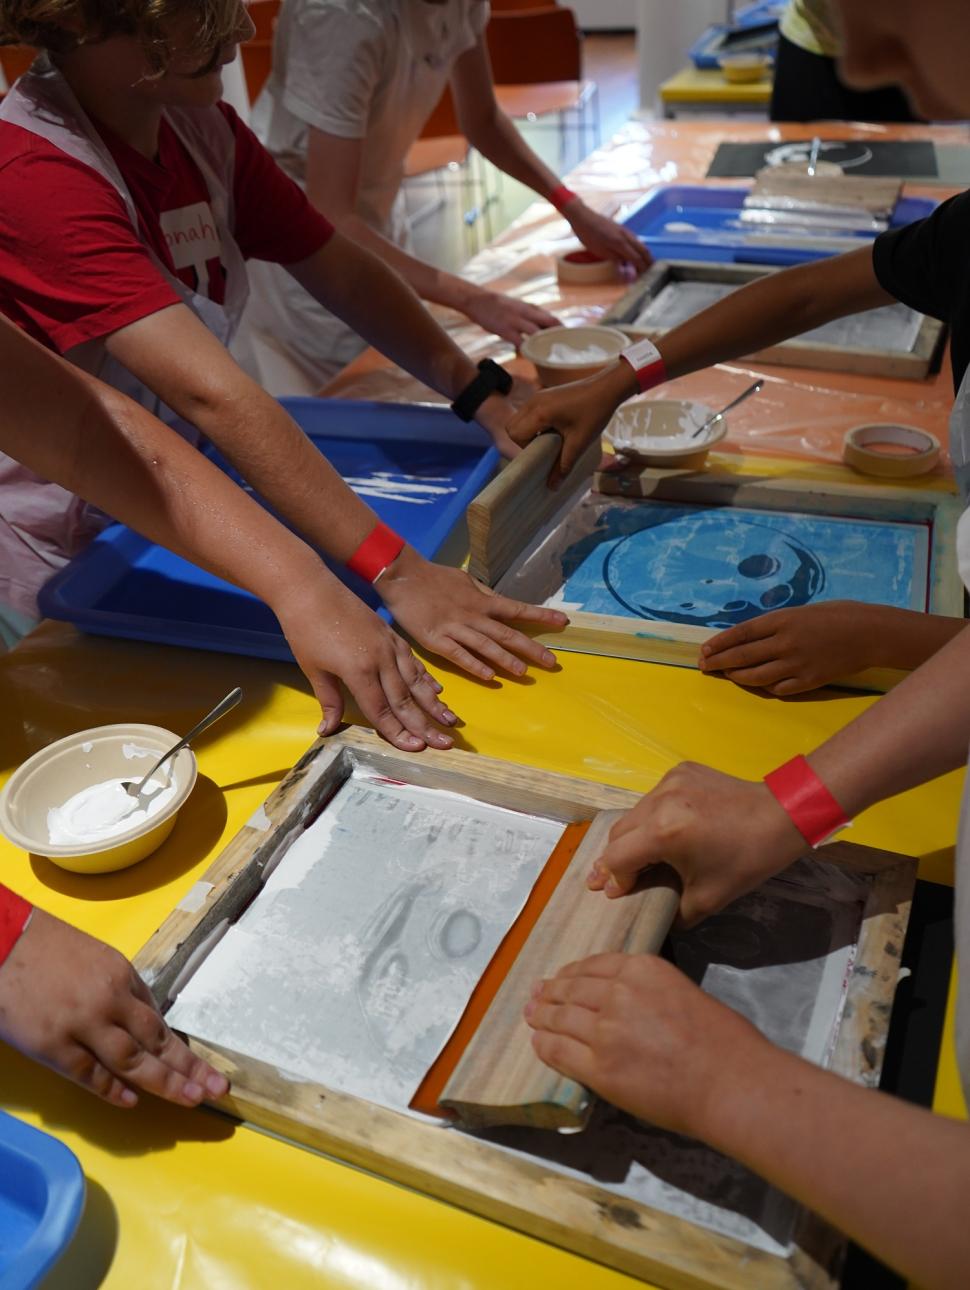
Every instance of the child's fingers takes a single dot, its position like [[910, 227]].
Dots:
[[622, 863], [741, 634], [568, 1056], [591, 993], [85, 1069], [767, 674], [747, 654], [508, 610], [562, 1019], [607, 966]]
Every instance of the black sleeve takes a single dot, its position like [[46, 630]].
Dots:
[[926, 265]]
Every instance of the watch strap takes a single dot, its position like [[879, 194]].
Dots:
[[491, 379]]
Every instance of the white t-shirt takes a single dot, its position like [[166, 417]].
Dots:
[[362, 69]]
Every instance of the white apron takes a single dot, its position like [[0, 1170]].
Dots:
[[960, 454], [41, 524], [289, 342]]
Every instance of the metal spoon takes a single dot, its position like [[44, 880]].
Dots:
[[220, 710], [752, 389]]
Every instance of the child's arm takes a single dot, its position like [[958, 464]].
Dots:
[[76, 1005], [763, 313], [67, 427], [894, 1177], [790, 651], [725, 836], [355, 283], [178, 358], [332, 180], [489, 130]]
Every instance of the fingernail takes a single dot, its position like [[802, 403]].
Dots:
[[128, 1097], [449, 716], [548, 659], [612, 888], [536, 988], [443, 742], [216, 1084], [194, 1092], [529, 1009]]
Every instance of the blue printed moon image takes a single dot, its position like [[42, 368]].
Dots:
[[711, 569]]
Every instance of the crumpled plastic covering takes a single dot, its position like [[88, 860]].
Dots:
[[182, 1200], [802, 413]]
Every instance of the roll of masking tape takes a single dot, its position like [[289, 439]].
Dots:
[[890, 451], [583, 268]]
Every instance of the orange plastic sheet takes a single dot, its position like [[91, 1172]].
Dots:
[[802, 414]]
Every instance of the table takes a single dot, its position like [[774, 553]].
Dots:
[[193, 1201], [707, 91]]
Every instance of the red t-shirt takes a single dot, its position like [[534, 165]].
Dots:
[[72, 266]]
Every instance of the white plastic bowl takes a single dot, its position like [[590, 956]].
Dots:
[[60, 770], [657, 432], [538, 347]]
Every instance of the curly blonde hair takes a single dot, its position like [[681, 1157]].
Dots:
[[62, 25]]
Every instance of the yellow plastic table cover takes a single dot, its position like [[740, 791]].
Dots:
[[181, 1200]]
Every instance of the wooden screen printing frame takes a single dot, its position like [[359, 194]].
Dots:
[[912, 366], [517, 507], [452, 1166]]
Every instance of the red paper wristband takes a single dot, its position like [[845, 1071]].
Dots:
[[561, 196], [814, 811], [14, 915], [380, 548], [648, 366]]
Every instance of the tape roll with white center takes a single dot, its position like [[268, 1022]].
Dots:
[[890, 451], [584, 269]]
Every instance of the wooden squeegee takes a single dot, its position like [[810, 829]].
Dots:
[[488, 1073]]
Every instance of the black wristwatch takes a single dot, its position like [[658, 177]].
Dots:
[[491, 379]]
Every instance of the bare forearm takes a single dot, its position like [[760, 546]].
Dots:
[[429, 282], [892, 1176], [72, 429], [763, 313], [906, 638], [497, 139], [348, 279], [918, 731]]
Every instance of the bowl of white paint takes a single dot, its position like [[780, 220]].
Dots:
[[661, 432], [67, 801], [563, 354]]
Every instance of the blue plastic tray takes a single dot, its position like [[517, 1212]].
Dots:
[[124, 585], [711, 209], [41, 1197], [720, 38]]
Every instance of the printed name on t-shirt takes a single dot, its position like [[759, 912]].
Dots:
[[193, 240]]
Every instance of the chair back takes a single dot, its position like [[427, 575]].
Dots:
[[443, 121], [533, 46], [15, 60]]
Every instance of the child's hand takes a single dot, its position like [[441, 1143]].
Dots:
[[507, 317], [724, 836], [447, 611], [335, 637], [604, 237], [792, 650], [76, 1005], [579, 412], [640, 1034]]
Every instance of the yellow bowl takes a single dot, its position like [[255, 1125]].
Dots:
[[57, 772], [538, 347], [658, 432], [743, 68]]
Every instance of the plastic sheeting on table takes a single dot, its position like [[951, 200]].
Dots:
[[808, 412]]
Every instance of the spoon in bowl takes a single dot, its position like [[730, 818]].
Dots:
[[228, 703], [712, 420]]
